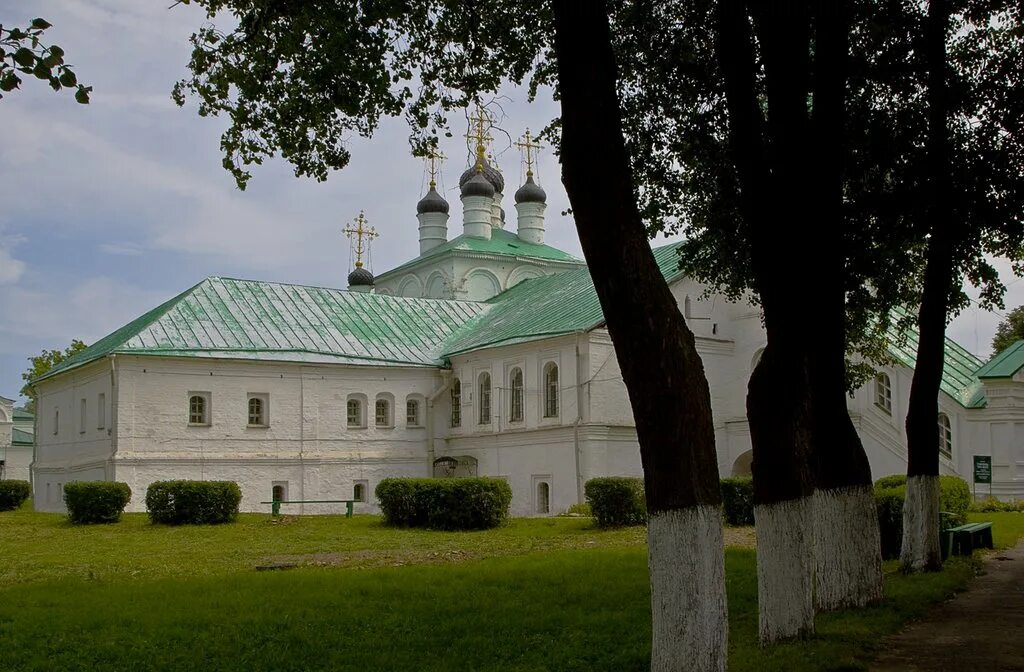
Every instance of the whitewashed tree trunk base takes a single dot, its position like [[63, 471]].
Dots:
[[690, 627], [847, 548], [921, 551], [785, 581]]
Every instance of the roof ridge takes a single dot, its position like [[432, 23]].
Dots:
[[119, 336]]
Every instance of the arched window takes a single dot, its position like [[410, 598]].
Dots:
[[543, 497], [412, 413], [883, 393], [359, 492], [687, 308], [382, 413], [945, 436], [516, 399], [256, 416], [551, 390], [485, 398], [279, 493], [198, 410], [456, 403], [354, 413]]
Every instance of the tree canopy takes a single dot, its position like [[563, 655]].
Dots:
[[45, 361], [1009, 331], [22, 51]]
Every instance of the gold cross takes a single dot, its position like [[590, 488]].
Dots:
[[435, 157], [482, 120], [527, 145], [360, 231]]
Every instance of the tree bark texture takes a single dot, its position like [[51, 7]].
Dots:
[[663, 373], [921, 516]]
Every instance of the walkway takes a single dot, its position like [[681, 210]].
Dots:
[[982, 630]]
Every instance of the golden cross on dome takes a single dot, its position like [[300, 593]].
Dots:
[[435, 157], [480, 123], [528, 145], [360, 231]]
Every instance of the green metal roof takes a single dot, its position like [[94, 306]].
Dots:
[[501, 242], [958, 378], [22, 414], [244, 319], [1005, 364], [20, 437], [551, 305]]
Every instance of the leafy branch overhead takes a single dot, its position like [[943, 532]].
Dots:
[[22, 51]]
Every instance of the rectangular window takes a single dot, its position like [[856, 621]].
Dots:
[[412, 413], [56, 421], [258, 407], [101, 411], [382, 413], [81, 417], [355, 413], [199, 408], [456, 403]]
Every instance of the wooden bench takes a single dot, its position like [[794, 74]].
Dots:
[[964, 539], [275, 505]]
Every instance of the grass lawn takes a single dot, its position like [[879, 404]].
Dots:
[[551, 594], [1007, 527]]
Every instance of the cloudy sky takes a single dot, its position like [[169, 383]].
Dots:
[[111, 208]]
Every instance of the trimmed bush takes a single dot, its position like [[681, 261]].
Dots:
[[13, 494], [193, 502], [891, 492], [90, 502], [617, 501], [738, 500], [444, 503], [991, 505]]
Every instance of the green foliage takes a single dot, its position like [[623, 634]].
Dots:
[[1009, 331], [193, 502], [891, 492], [616, 500], [582, 509], [444, 503], [738, 500], [889, 502], [13, 494], [893, 481], [45, 361], [992, 505], [96, 501], [21, 50], [954, 495]]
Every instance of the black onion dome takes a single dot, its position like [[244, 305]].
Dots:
[[531, 192], [432, 202], [477, 185], [360, 278], [492, 174]]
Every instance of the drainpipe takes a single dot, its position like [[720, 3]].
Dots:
[[446, 379], [579, 420]]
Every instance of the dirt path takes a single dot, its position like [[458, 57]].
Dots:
[[982, 630]]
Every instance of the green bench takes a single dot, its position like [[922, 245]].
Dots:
[[964, 539], [275, 505]]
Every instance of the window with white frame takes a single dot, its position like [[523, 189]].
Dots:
[[101, 411], [412, 412], [515, 383], [551, 390], [259, 410], [199, 408], [354, 413], [456, 403], [382, 412], [81, 416], [945, 437], [485, 398], [883, 393]]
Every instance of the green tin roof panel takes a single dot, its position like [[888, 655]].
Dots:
[[1005, 364], [501, 243], [243, 319], [20, 437], [22, 414]]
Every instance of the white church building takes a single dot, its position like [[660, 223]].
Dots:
[[487, 354]]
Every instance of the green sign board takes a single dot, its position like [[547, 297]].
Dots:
[[982, 468]]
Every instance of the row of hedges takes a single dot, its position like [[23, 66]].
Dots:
[[96, 501], [616, 501], [444, 503], [891, 492], [990, 505], [13, 494]]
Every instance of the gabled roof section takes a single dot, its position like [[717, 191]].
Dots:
[[20, 437], [1005, 364], [245, 319], [552, 305], [22, 414], [958, 378], [501, 243]]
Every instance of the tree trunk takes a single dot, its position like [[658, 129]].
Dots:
[[847, 546], [663, 373], [920, 551]]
